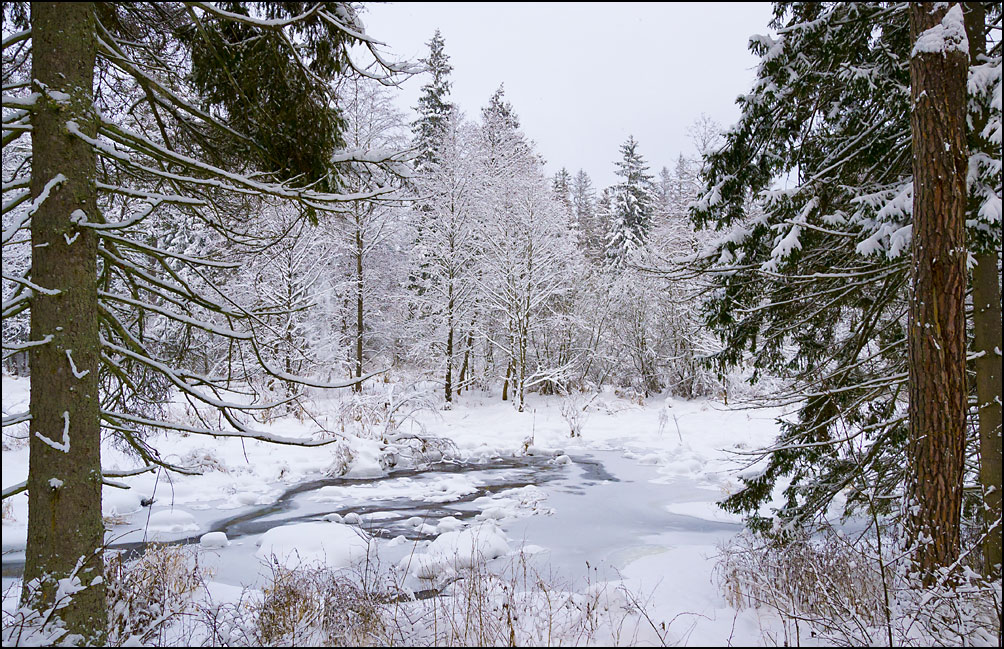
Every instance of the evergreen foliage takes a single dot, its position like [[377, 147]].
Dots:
[[632, 204], [812, 190], [273, 85], [583, 199], [433, 106]]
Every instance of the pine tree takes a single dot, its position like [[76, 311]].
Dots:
[[632, 205]]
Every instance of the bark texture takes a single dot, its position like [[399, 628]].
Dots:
[[65, 530], [937, 334], [986, 331]]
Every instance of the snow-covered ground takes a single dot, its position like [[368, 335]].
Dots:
[[630, 501]]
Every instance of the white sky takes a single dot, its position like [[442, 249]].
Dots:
[[584, 76]]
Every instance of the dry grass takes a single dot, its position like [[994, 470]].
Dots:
[[853, 592], [161, 599], [148, 595], [7, 513], [510, 605]]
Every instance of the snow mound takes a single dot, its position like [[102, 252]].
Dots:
[[457, 550], [333, 545], [512, 503], [214, 541], [449, 524], [119, 502], [172, 520]]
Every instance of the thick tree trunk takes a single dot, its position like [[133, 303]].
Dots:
[[65, 530], [937, 335], [986, 330]]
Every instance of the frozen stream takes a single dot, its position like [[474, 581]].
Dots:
[[600, 509]]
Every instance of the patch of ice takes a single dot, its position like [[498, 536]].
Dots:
[[119, 502]]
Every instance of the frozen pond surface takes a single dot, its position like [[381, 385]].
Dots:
[[585, 519]]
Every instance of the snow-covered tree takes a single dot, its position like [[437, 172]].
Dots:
[[434, 107], [200, 111], [374, 131], [590, 230], [284, 286], [632, 203], [526, 246], [561, 184], [451, 188], [434, 110], [812, 190]]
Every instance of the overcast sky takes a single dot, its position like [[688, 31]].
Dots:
[[584, 76]]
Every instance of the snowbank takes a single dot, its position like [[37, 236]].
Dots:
[[457, 550], [332, 545]]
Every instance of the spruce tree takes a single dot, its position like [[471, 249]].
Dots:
[[632, 204], [433, 104], [200, 144], [428, 131], [589, 237], [65, 531], [812, 191]]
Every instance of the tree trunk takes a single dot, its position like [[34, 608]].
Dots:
[[467, 356], [358, 387], [986, 331], [521, 384], [449, 344], [65, 529], [505, 383], [937, 334], [987, 340]]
